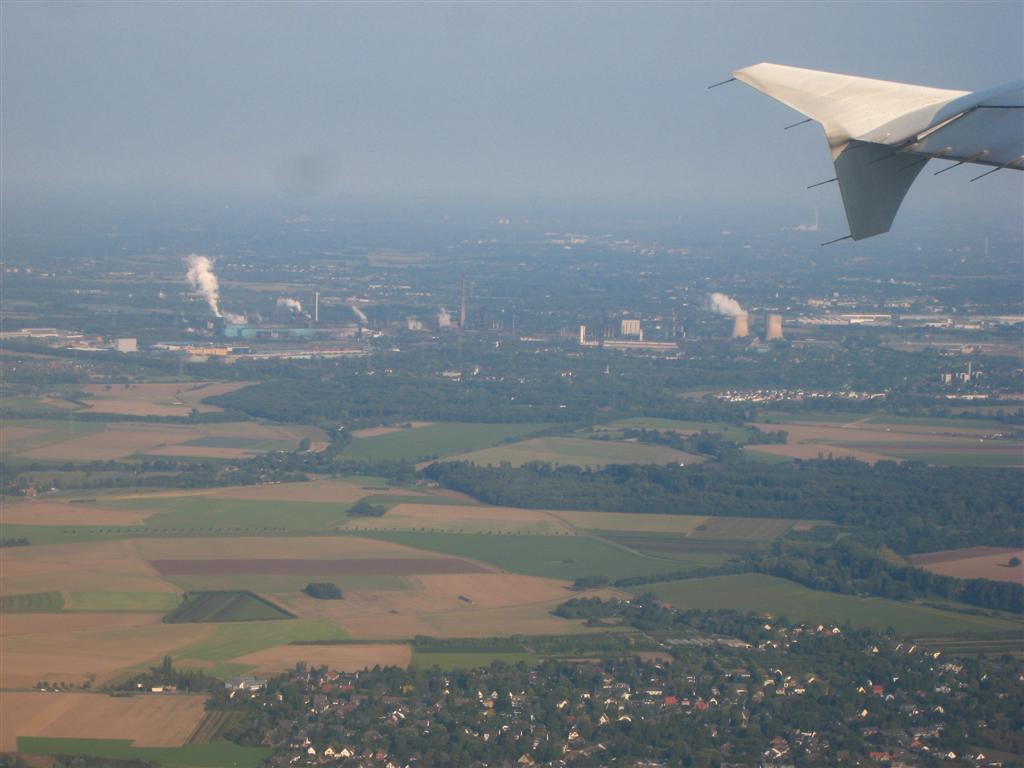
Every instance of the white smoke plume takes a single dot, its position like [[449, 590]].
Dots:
[[359, 313], [200, 276], [234, 319], [444, 320], [293, 304], [723, 305]]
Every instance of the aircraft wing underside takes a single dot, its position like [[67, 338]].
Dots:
[[882, 133]]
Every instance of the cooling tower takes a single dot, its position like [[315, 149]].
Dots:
[[773, 328], [741, 326]]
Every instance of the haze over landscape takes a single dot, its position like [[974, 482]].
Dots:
[[465, 384]]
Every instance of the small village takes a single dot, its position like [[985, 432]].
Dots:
[[711, 701]]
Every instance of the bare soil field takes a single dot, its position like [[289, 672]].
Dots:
[[174, 399], [377, 431], [151, 721], [342, 658], [459, 518], [453, 605], [401, 566], [974, 563], [51, 512], [99, 566], [74, 648]]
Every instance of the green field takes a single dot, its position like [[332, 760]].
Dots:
[[32, 602], [729, 431], [449, 661], [579, 452], [132, 602], [229, 641], [203, 513], [53, 431], [224, 606], [1013, 457], [743, 528], [215, 755], [440, 440], [684, 550], [768, 595], [558, 557]]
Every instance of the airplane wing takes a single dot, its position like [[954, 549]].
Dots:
[[881, 134]]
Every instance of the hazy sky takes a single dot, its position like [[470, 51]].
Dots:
[[505, 101]]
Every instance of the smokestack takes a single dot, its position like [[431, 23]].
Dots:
[[462, 310], [773, 328], [741, 326], [316, 306], [583, 335]]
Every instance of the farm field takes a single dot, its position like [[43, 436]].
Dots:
[[628, 521], [224, 606], [77, 647], [216, 755], [50, 440], [762, 594], [347, 657], [130, 602], [974, 563], [551, 556], [579, 452], [154, 721], [450, 661], [208, 513], [440, 440], [162, 399], [463, 518], [938, 441], [729, 431], [223, 643]]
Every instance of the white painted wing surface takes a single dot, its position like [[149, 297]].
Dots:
[[882, 133]]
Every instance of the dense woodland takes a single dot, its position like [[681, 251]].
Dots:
[[910, 507]]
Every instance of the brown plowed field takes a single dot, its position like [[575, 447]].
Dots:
[[974, 563], [403, 566], [151, 721], [35, 512], [342, 658]]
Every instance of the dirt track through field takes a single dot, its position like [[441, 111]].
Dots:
[[405, 566]]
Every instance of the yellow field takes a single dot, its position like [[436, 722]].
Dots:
[[457, 518], [74, 648], [151, 721]]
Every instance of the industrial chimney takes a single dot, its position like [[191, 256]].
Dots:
[[741, 326], [773, 328]]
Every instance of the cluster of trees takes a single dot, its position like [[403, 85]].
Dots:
[[323, 590], [185, 680], [910, 507], [849, 567], [364, 508]]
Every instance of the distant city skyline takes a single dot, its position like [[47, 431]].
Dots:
[[600, 103]]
